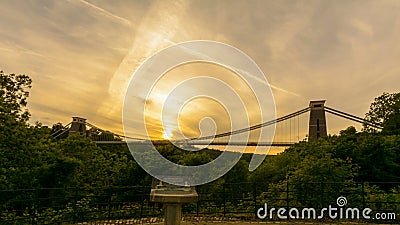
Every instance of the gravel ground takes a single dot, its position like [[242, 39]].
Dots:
[[236, 223], [155, 222]]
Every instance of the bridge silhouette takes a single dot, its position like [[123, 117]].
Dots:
[[316, 129]]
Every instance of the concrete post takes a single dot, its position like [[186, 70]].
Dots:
[[173, 213]]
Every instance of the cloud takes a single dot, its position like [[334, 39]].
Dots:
[[106, 13]]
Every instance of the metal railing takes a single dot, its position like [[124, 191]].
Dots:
[[237, 201]]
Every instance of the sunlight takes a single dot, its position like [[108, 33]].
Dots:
[[167, 133]]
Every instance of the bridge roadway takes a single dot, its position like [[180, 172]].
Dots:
[[217, 143]]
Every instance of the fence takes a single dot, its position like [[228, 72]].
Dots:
[[227, 201]]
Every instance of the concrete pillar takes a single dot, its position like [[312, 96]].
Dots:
[[317, 123], [172, 213]]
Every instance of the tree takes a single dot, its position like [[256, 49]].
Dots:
[[13, 97], [28, 155], [391, 126], [385, 111]]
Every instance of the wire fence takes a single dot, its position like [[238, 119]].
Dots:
[[238, 201]]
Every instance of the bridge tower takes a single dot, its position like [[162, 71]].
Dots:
[[78, 125], [317, 122]]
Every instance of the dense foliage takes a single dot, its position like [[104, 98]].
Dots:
[[13, 97], [385, 111]]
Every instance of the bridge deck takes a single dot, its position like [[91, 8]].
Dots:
[[280, 144]]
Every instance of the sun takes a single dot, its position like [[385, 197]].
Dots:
[[167, 133]]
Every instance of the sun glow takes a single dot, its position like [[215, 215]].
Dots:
[[167, 133]]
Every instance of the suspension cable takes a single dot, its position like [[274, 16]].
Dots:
[[268, 123], [123, 136], [351, 117], [63, 129]]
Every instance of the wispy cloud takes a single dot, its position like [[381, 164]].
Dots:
[[284, 91], [105, 12], [18, 49]]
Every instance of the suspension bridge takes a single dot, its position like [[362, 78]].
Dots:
[[316, 129]]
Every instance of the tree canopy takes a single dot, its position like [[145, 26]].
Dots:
[[14, 91], [385, 111]]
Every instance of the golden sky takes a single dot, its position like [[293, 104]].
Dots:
[[82, 54]]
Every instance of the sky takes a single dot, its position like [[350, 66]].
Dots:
[[82, 54]]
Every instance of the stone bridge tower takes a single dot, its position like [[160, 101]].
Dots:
[[317, 123], [78, 125]]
